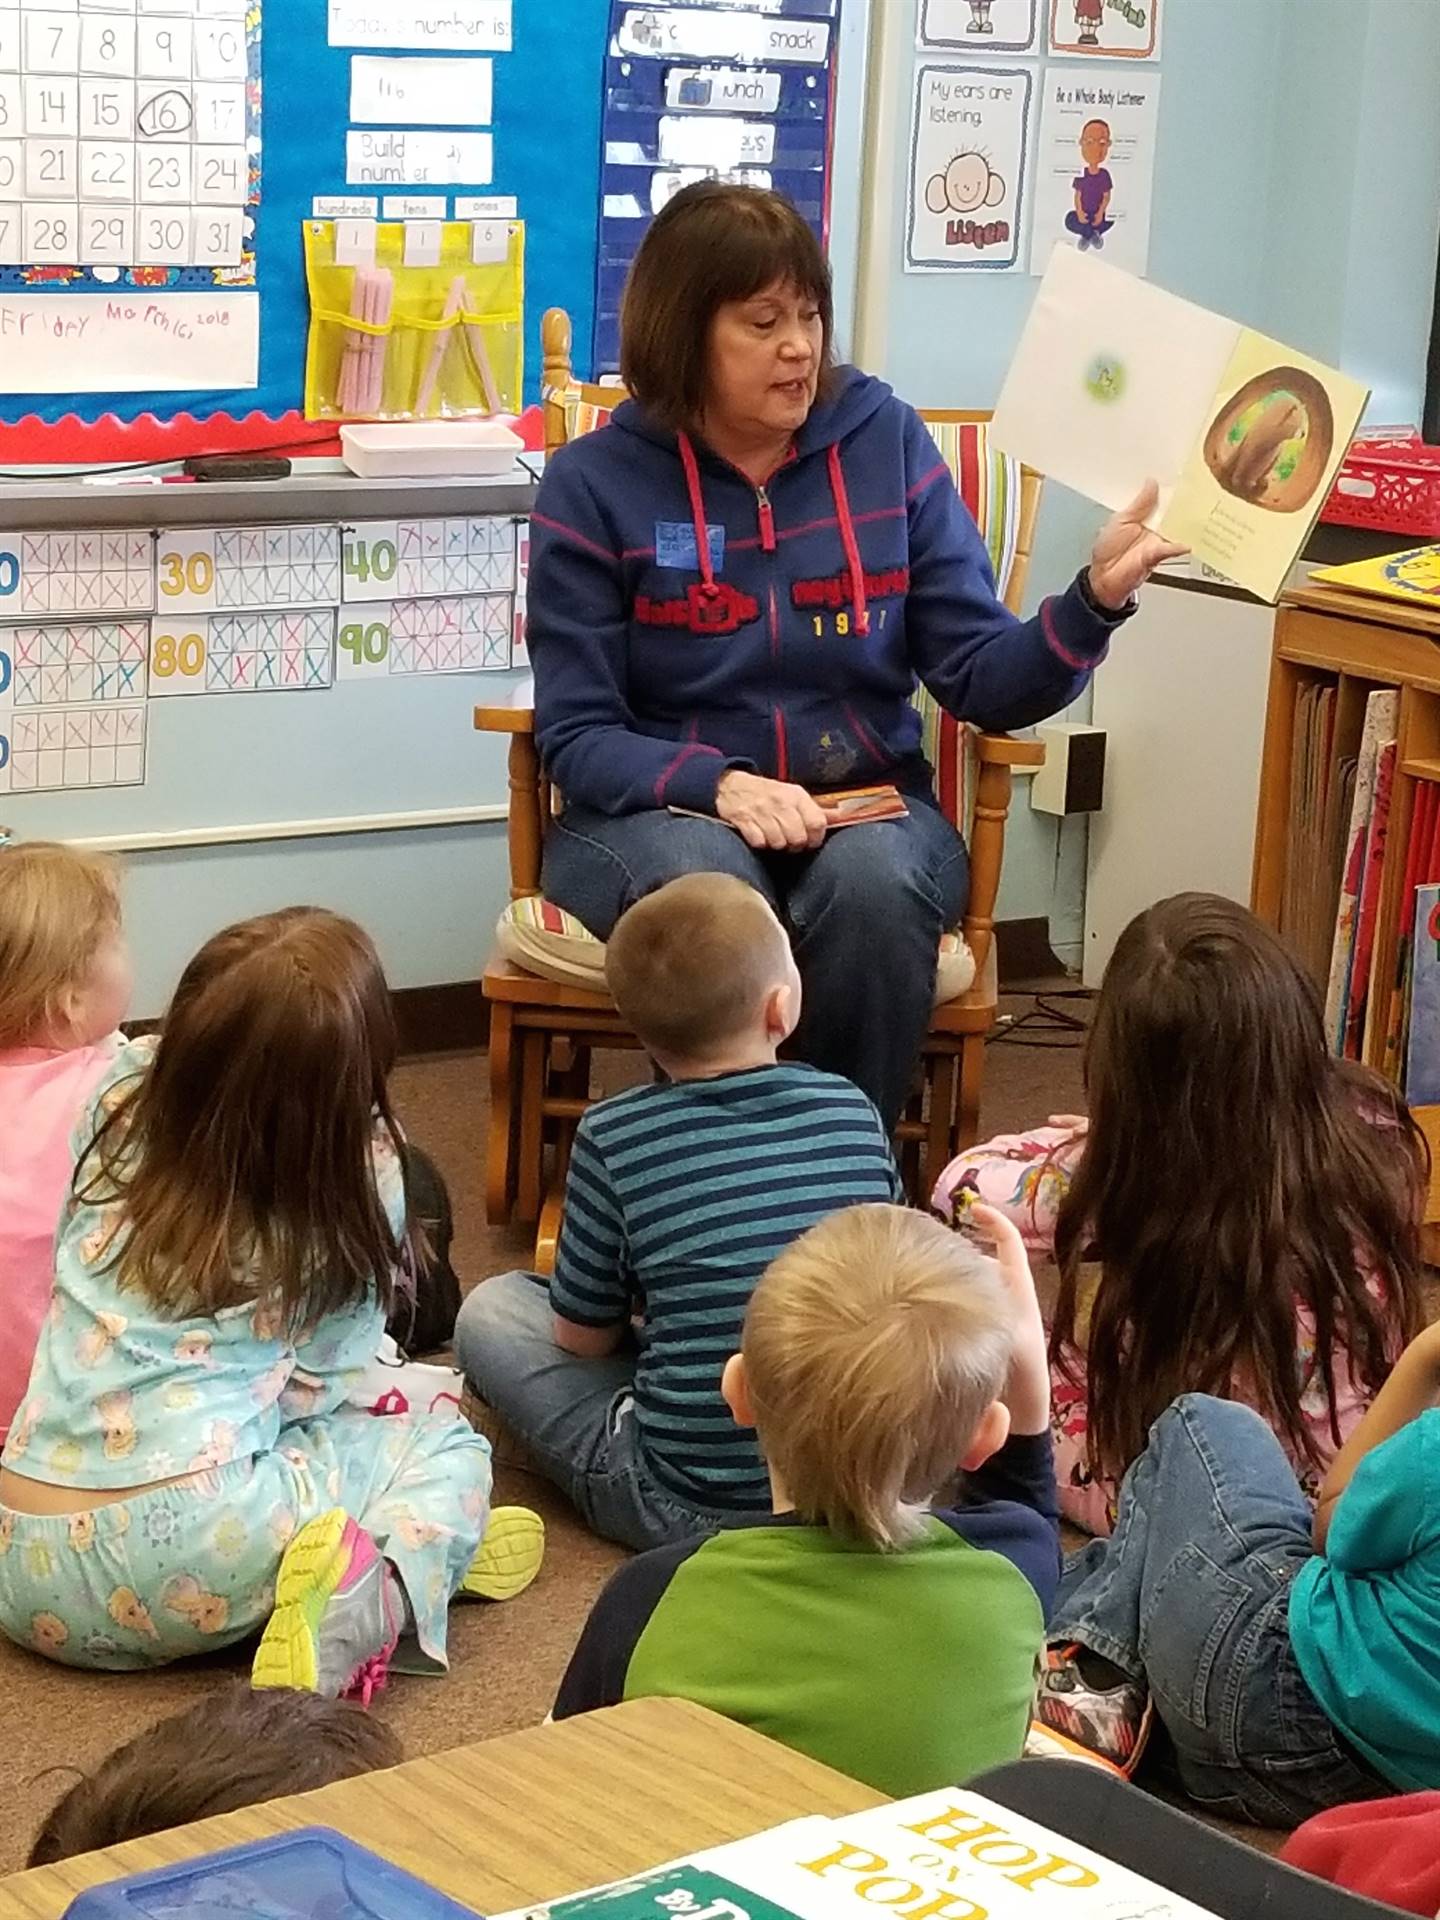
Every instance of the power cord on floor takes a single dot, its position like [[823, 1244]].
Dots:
[[1046, 1024]]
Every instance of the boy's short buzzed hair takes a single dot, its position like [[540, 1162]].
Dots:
[[873, 1346], [232, 1749], [690, 965]]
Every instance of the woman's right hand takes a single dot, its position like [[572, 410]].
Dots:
[[769, 815]]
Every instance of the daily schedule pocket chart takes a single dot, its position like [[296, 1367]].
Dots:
[[230, 569], [473, 633], [289, 652], [409, 559], [123, 132], [90, 572]]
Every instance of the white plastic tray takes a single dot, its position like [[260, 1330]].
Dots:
[[415, 449]]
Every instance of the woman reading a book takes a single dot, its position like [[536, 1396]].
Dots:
[[733, 589]]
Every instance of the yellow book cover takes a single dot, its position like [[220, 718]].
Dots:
[[1413, 575]]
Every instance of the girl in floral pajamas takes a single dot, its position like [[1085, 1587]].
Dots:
[[1238, 1217], [186, 1468]]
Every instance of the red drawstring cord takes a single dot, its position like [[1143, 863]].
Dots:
[[852, 545], [697, 508]]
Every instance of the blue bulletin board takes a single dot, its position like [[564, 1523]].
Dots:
[[744, 88], [546, 127]]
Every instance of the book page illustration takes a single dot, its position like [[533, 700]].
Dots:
[[1275, 434]]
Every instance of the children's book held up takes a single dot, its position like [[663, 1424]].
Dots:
[[1116, 382]]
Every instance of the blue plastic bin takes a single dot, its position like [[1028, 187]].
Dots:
[[310, 1874]]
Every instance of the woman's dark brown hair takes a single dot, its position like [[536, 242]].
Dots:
[[230, 1750], [712, 244], [1234, 1173], [242, 1162]]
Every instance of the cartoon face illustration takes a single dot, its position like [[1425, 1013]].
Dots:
[[268, 1320], [187, 1600], [23, 1431], [48, 1632], [95, 1343], [117, 1424], [966, 185], [82, 1531], [217, 1451], [193, 1348], [95, 1246], [266, 1388], [128, 1610], [1095, 143], [179, 1398]]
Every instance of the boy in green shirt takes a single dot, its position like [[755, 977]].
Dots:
[[887, 1636]]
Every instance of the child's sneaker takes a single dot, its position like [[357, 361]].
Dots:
[[510, 1555], [1089, 1701], [337, 1619]]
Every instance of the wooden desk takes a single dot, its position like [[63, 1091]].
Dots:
[[521, 1819]]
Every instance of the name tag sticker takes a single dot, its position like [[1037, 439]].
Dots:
[[676, 546]]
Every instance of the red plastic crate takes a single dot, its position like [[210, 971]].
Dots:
[[1391, 483]]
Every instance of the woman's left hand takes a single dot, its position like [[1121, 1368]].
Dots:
[[1127, 552]]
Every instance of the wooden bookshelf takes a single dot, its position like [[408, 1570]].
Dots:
[[1358, 644]]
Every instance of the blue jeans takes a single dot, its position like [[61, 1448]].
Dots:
[[865, 913], [1191, 1594], [576, 1416]]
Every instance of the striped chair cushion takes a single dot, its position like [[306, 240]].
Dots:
[[543, 939], [989, 484]]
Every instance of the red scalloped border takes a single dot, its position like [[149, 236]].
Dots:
[[73, 442]]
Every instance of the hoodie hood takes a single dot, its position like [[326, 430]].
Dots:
[[854, 398]]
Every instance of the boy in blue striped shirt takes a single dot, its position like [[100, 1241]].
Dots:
[[679, 1195]]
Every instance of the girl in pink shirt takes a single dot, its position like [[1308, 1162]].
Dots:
[[1239, 1216], [64, 988]]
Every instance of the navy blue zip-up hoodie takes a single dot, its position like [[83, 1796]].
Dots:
[[682, 621]]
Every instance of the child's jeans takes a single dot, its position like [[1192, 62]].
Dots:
[[575, 1415], [190, 1567], [1192, 1595]]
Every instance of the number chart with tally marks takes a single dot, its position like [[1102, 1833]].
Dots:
[[72, 705], [129, 142], [290, 652]]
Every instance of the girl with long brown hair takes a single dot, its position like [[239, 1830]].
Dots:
[[1246, 1205], [185, 1469]]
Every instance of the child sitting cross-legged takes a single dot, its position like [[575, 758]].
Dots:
[[64, 989], [1290, 1656], [1246, 1205], [184, 1470], [678, 1196], [857, 1622]]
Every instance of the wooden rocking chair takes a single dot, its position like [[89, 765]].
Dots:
[[544, 1028]]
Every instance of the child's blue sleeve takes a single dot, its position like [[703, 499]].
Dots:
[[590, 1285], [1390, 1509], [331, 1361]]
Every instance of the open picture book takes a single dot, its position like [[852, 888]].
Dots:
[[1116, 381]]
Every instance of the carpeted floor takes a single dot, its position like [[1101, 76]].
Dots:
[[506, 1661]]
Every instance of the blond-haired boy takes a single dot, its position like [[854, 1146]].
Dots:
[[863, 1622], [678, 1196]]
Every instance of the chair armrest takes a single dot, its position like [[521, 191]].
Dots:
[[504, 720], [1000, 750]]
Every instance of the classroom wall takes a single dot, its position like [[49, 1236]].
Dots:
[[1295, 188]]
